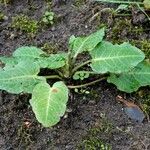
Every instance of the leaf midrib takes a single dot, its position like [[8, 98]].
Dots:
[[81, 46], [140, 73], [115, 57], [32, 56], [48, 104], [19, 77]]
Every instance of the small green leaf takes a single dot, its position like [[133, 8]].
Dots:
[[47, 13], [81, 75], [132, 80], [49, 103], [122, 7], [107, 57], [50, 18], [45, 20], [21, 78], [81, 44]]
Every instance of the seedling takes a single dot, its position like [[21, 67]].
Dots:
[[141, 5], [48, 18], [122, 65]]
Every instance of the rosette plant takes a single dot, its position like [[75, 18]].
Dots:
[[122, 65]]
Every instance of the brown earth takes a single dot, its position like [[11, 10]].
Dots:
[[96, 119]]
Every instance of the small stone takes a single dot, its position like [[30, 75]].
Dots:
[[5, 18], [53, 29], [69, 110], [12, 36], [86, 26]]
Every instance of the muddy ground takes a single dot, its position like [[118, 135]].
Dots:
[[96, 120]]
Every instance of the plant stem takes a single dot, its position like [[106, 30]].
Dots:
[[60, 73], [120, 2], [79, 66], [86, 84], [89, 72], [143, 12], [122, 15], [53, 77], [66, 69]]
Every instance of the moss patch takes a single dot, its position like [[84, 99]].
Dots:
[[94, 143], [2, 16], [50, 48], [144, 94], [123, 29], [78, 3], [5, 1], [24, 135], [24, 23], [144, 45], [94, 139]]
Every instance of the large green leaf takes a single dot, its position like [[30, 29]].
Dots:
[[132, 80], [49, 103], [36, 55], [24, 53], [80, 44], [107, 57], [8, 61], [21, 78], [28, 52]]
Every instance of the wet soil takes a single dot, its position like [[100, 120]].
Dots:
[[94, 119]]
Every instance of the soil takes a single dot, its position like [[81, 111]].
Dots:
[[94, 120]]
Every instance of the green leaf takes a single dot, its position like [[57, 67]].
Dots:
[[147, 4], [22, 78], [28, 52], [81, 75], [107, 57], [55, 61], [8, 61], [122, 7], [81, 44], [49, 103], [71, 42], [36, 55], [47, 13], [132, 80], [45, 20]]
